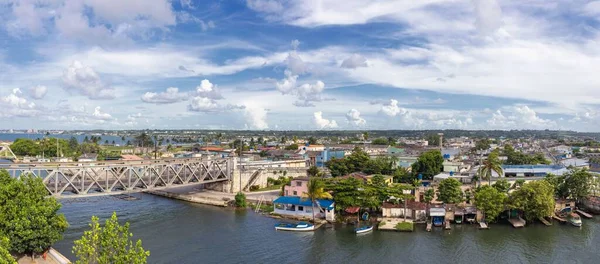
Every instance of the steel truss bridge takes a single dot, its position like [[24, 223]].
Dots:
[[117, 177]]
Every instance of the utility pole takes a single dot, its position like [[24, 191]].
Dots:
[[241, 148]]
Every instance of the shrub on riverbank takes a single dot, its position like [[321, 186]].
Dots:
[[240, 200], [405, 226]]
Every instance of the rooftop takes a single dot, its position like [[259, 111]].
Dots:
[[296, 200]]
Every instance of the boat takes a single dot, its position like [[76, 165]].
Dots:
[[363, 229], [458, 219], [295, 227], [574, 219], [438, 221]]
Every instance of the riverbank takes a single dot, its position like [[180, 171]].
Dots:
[[52, 257], [196, 194]]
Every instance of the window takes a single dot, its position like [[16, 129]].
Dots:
[[308, 210], [279, 206], [295, 193], [298, 183], [300, 208]]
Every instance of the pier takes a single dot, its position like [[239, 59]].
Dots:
[[584, 214], [483, 225], [559, 219], [517, 222], [544, 221]]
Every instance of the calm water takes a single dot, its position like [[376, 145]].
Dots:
[[180, 232]]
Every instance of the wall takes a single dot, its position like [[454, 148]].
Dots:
[[261, 180]]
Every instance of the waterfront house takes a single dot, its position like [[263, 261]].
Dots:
[[437, 214], [297, 187], [297, 207], [414, 210]]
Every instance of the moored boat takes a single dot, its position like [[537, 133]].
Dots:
[[295, 227], [574, 219], [363, 229]]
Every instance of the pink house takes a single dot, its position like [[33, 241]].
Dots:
[[297, 187]]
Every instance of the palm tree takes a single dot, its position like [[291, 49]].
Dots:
[[315, 191], [490, 165]]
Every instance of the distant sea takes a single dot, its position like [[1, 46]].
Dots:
[[14, 136]]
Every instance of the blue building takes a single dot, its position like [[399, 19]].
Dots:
[[328, 154]]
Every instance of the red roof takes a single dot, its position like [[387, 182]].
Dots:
[[211, 149], [352, 210]]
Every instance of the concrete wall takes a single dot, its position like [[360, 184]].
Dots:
[[261, 180]]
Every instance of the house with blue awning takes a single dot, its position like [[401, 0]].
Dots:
[[298, 207]]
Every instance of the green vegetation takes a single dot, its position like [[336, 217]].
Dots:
[[382, 141], [433, 139], [30, 220], [292, 147], [359, 160], [502, 186], [429, 164], [491, 201], [313, 171], [519, 158], [535, 199], [240, 200], [449, 191], [490, 165], [352, 192], [428, 196], [315, 191], [382, 223], [576, 184], [109, 244], [5, 256], [405, 226]]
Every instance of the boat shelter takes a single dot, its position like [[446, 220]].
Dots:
[[438, 215]]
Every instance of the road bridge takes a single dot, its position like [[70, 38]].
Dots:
[[117, 177]]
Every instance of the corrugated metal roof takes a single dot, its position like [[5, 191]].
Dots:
[[296, 200]]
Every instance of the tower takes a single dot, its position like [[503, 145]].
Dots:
[[441, 139]]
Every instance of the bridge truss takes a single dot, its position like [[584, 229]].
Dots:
[[115, 177]]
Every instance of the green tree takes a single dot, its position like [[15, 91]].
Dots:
[[402, 175], [429, 164], [315, 191], [25, 147], [29, 219], [490, 165], [292, 147], [483, 144], [535, 199], [449, 191], [365, 136], [380, 141], [558, 183], [313, 171], [73, 143], [428, 196], [312, 141], [579, 183], [502, 186], [240, 200], [490, 200], [5, 256], [346, 192], [109, 244]]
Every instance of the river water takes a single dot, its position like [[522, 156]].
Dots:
[[181, 232]]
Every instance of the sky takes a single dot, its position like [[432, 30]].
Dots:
[[300, 64]]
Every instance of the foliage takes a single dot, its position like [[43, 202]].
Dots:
[[402, 175], [313, 141], [490, 200], [535, 199], [428, 196], [429, 164], [29, 219], [346, 192], [490, 165], [483, 144], [558, 183], [315, 191], [292, 147], [405, 226], [240, 200], [356, 161], [433, 140], [313, 171], [519, 158], [380, 165], [109, 244], [5, 256], [45, 146], [254, 188], [578, 183], [143, 140], [381, 141], [502, 186], [449, 191]]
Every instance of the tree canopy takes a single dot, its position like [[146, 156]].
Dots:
[[30, 220], [502, 186], [578, 182], [449, 191], [535, 199], [489, 166], [429, 164], [514, 157], [292, 147], [109, 244], [490, 200], [5, 256]]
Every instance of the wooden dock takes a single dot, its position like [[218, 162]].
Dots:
[[517, 222], [428, 228], [584, 214], [544, 221], [447, 225], [558, 218], [483, 225]]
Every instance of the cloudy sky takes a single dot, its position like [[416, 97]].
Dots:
[[300, 64]]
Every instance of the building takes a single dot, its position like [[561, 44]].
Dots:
[[88, 157], [414, 210], [326, 155], [294, 206], [130, 157], [312, 148], [575, 162], [297, 187]]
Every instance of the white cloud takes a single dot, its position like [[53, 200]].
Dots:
[[518, 117], [208, 90], [256, 117], [14, 105], [98, 114], [203, 104], [288, 84], [295, 64], [171, 95], [391, 108], [38, 92], [295, 44], [323, 123], [85, 81], [353, 117], [268, 6], [488, 16], [354, 61]]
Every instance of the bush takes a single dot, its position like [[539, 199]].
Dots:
[[404, 226], [254, 188], [240, 200], [382, 223]]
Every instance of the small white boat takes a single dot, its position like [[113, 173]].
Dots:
[[295, 227], [575, 219], [363, 229]]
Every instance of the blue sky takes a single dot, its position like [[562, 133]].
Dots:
[[292, 64]]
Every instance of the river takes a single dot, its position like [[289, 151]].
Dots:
[[181, 232]]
